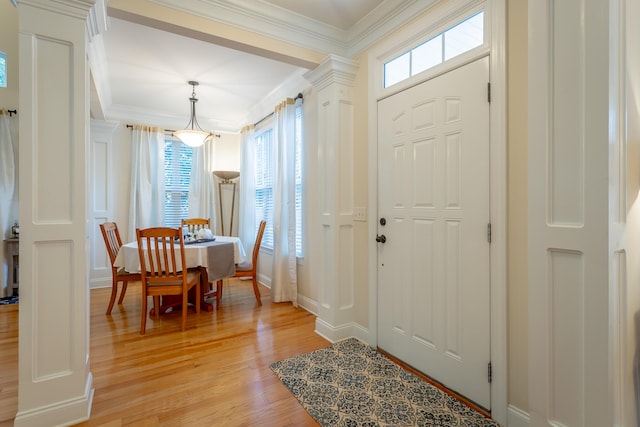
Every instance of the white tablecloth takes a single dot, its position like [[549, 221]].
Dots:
[[195, 254]]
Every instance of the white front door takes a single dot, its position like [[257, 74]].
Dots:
[[433, 269]]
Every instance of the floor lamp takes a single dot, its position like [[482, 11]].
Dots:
[[226, 178]]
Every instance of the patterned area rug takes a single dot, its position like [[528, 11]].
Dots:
[[351, 384]]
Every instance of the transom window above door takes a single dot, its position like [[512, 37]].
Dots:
[[462, 37]]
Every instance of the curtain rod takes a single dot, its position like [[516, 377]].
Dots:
[[171, 131], [298, 96], [12, 112]]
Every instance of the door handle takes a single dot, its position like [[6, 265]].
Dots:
[[381, 238]]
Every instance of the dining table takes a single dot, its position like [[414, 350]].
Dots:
[[216, 258]]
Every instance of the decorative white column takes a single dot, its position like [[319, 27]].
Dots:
[[334, 275], [54, 380], [570, 192]]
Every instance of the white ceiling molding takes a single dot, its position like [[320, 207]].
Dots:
[[99, 75], [288, 89], [97, 21], [382, 21], [266, 20], [290, 27]]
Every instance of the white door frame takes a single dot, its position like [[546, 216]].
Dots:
[[495, 46]]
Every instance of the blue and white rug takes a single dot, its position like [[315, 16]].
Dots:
[[351, 384]]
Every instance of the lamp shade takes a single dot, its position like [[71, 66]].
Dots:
[[226, 175], [192, 137]]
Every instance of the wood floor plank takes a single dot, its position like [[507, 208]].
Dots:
[[215, 373]]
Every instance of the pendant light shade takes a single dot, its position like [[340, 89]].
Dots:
[[193, 135]]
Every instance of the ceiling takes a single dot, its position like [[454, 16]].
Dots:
[[140, 70]]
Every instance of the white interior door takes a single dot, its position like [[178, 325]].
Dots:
[[434, 268]]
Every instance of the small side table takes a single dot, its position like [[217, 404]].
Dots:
[[13, 250]]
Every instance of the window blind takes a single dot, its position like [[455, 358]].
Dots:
[[178, 160], [264, 174], [299, 180]]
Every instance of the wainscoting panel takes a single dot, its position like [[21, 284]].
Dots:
[[53, 261], [568, 163], [566, 338]]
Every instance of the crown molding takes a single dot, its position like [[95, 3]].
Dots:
[[382, 21], [290, 27], [266, 20], [99, 71], [97, 21], [294, 85]]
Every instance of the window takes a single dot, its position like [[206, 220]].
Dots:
[[3, 69], [177, 170], [455, 41], [264, 184], [265, 179]]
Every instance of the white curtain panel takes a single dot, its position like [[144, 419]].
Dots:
[[8, 178], [202, 191], [284, 282], [146, 202], [246, 210]]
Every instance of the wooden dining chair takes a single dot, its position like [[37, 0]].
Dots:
[[113, 242], [247, 269], [195, 224], [161, 251]]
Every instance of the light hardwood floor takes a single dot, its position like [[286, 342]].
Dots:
[[215, 373]]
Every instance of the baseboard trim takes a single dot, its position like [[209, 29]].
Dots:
[[66, 413], [308, 304], [517, 417], [337, 333], [101, 282]]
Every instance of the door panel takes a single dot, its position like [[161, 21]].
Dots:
[[433, 271]]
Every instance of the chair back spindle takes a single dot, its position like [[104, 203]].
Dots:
[[196, 224], [162, 256]]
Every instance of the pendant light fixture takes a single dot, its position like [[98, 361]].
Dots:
[[193, 135]]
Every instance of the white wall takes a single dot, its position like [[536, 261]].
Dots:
[[627, 396]]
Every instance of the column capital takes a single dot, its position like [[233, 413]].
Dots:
[[75, 8], [333, 69]]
